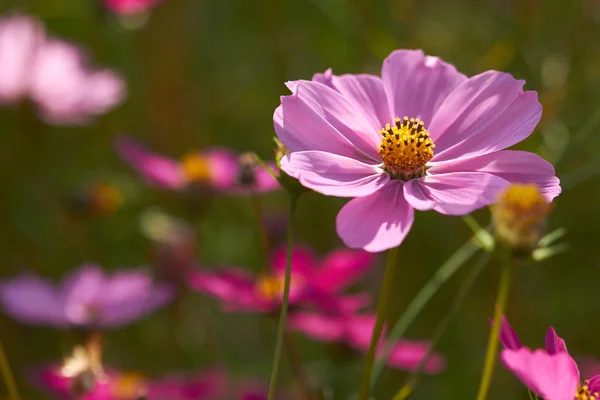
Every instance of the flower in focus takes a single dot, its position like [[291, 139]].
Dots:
[[130, 7], [313, 283], [87, 298], [54, 74], [423, 136], [551, 373], [356, 331], [519, 216], [218, 169]]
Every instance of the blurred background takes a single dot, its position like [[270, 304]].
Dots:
[[207, 72]]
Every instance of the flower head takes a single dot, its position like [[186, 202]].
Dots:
[[54, 74], [551, 373], [356, 330], [315, 283], [217, 169], [88, 298], [423, 136]]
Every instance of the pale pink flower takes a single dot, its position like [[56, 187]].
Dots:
[[57, 76], [217, 169], [130, 7], [551, 373], [348, 137]]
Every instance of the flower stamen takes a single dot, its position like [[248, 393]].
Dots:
[[584, 393], [405, 148]]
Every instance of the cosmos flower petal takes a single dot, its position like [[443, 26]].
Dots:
[[454, 193], [318, 326], [486, 113], [231, 285], [508, 336], [32, 300], [304, 261], [407, 355], [376, 222], [160, 171], [334, 175], [341, 268], [512, 165], [364, 92], [553, 377], [416, 84], [317, 117], [130, 7], [594, 384], [554, 343]]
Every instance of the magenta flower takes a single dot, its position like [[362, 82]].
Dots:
[[87, 298], [551, 373], [423, 136], [54, 74], [130, 7], [314, 283], [218, 169], [356, 331]]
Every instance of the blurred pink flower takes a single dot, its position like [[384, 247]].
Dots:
[[54, 74], [348, 138], [551, 373], [356, 331], [316, 283], [217, 168], [87, 298], [130, 7]]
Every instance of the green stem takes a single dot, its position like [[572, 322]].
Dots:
[[285, 300], [411, 382], [492, 349], [8, 376], [384, 297], [414, 308]]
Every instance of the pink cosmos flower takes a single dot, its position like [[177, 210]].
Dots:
[[218, 169], [130, 7], [54, 74], [87, 298], [423, 136], [551, 373], [315, 283], [356, 331]]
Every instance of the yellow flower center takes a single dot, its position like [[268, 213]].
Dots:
[[107, 198], [270, 287], [583, 392], [405, 148], [519, 215], [196, 167], [128, 386]]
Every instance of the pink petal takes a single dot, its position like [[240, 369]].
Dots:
[[20, 37], [104, 90], [553, 377], [454, 193], [514, 166], [408, 355], [317, 117], [264, 180], [224, 168], [508, 336], [486, 113], [589, 366], [160, 171], [318, 326], [554, 343], [594, 384], [416, 85], [32, 300], [341, 268], [130, 7], [334, 175], [304, 260], [365, 93], [360, 330], [376, 222], [83, 289]]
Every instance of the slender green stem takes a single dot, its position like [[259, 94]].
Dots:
[[414, 308], [7, 375], [492, 349], [530, 394], [284, 303], [412, 380], [262, 230], [297, 367], [384, 297]]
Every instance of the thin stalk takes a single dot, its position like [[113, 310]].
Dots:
[[7, 375], [418, 303], [384, 297], [492, 348], [297, 367], [285, 300], [412, 380]]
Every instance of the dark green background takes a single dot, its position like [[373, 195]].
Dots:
[[203, 72]]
